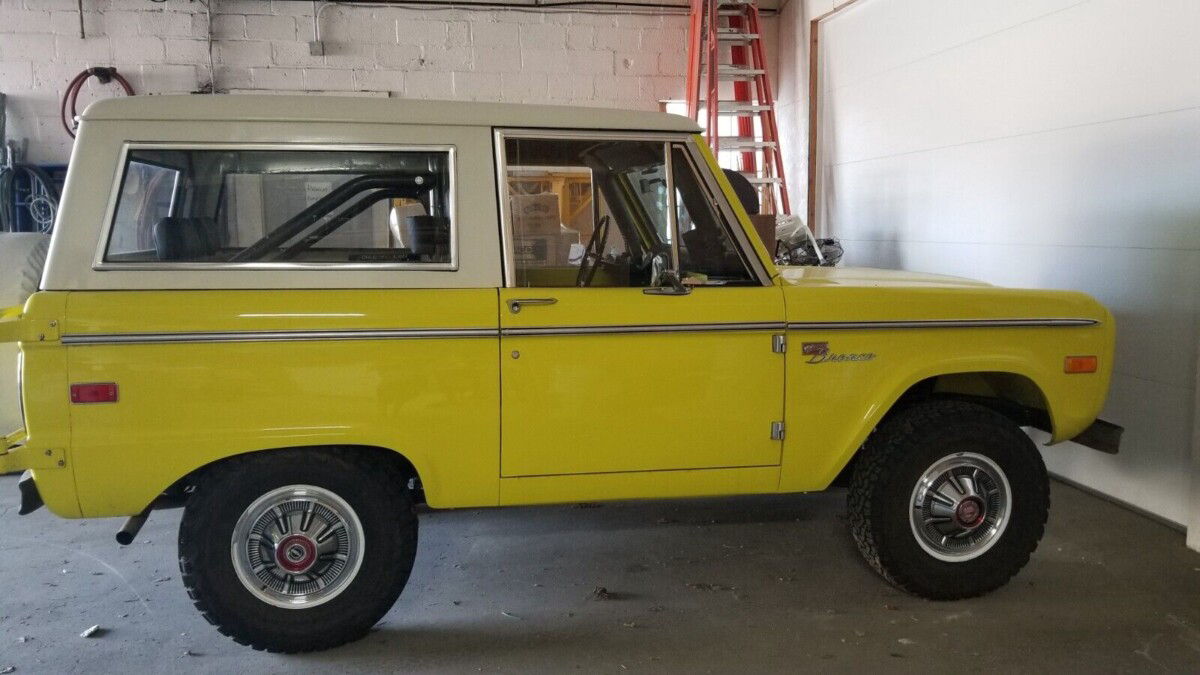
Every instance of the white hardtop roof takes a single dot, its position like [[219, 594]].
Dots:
[[352, 109]]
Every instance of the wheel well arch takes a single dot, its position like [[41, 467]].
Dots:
[[1014, 395], [176, 494]]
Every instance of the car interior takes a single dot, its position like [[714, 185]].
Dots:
[[613, 201]]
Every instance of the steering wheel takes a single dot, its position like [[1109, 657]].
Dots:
[[593, 251]]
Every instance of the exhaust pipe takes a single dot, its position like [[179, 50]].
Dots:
[[132, 526]]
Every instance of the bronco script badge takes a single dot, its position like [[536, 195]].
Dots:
[[818, 352]]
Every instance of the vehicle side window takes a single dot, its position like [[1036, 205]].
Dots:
[[148, 193], [284, 206], [586, 212], [707, 252], [602, 212]]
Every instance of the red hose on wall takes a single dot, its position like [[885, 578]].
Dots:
[[71, 95]]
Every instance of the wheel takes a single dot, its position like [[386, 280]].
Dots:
[[948, 500], [297, 550]]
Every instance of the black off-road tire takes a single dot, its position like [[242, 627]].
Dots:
[[379, 497], [881, 494]]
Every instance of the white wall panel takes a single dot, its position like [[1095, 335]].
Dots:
[[1129, 183], [883, 44], [1077, 66]]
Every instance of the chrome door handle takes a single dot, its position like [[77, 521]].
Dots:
[[514, 305]]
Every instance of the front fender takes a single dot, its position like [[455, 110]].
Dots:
[[833, 406]]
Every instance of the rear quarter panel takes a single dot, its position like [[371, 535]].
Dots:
[[184, 405]]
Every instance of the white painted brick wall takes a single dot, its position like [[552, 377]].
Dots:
[[571, 58]]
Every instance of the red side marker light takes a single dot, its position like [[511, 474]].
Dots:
[[94, 392], [1073, 365]]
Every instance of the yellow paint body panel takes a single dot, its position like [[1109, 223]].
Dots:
[[834, 405], [624, 402], [185, 405], [615, 414], [46, 446], [558, 402]]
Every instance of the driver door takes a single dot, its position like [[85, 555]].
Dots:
[[629, 373]]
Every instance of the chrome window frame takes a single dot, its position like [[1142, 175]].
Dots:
[[672, 206], [101, 265], [683, 139]]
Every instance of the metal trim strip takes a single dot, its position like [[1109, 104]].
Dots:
[[275, 336], [940, 323], [643, 329], [621, 329], [406, 334]]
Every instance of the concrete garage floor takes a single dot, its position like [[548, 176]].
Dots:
[[763, 584]]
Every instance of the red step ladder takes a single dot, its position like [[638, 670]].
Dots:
[[727, 81]]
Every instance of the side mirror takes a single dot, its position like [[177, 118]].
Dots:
[[658, 265], [665, 282]]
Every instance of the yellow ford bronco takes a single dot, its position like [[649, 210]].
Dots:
[[297, 318]]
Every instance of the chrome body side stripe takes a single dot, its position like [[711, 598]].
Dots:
[[940, 323], [406, 334], [635, 329], [643, 329], [276, 336]]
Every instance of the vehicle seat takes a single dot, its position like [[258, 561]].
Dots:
[[185, 239]]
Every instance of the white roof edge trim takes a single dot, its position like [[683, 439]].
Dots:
[[349, 110]]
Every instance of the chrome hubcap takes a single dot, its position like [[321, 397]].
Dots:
[[296, 553], [297, 546], [960, 507]]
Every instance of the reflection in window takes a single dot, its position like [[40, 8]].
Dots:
[[148, 193], [280, 206]]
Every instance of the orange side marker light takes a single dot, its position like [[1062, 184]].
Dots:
[[1074, 365]]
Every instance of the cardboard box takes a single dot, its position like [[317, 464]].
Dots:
[[535, 214], [765, 226], [552, 250]]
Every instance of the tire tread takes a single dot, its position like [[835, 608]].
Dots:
[[883, 455], [195, 520]]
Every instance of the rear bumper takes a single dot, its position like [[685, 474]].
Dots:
[[1102, 436], [31, 499], [15, 459], [55, 484]]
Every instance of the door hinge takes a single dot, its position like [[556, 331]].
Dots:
[[779, 343], [778, 430]]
